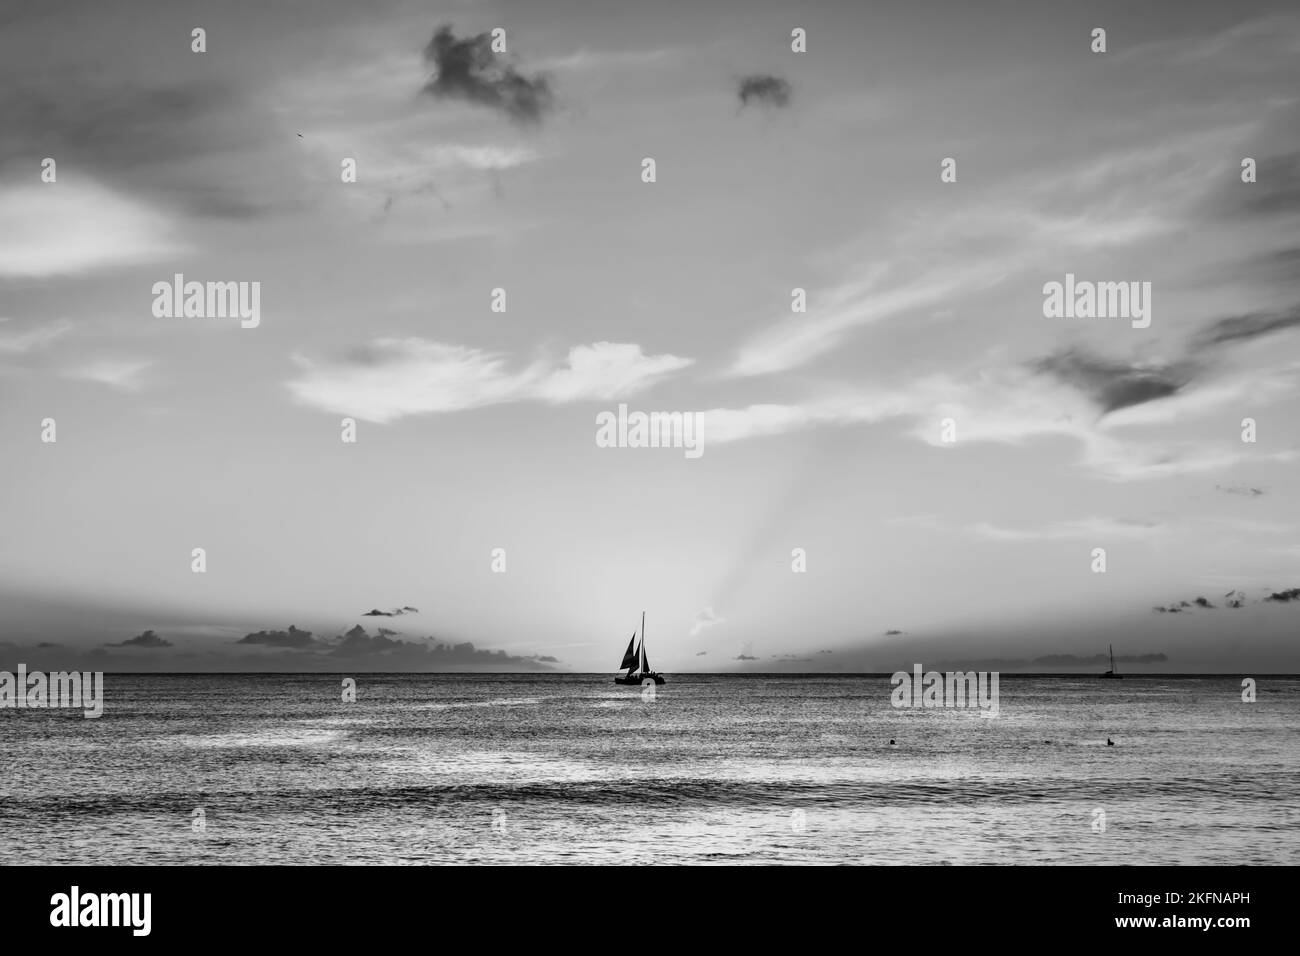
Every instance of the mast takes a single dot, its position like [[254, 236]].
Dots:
[[1112, 657], [645, 663]]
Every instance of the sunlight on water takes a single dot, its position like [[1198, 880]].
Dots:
[[427, 769]]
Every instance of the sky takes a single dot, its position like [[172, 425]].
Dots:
[[775, 169]]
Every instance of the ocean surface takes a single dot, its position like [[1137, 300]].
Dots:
[[501, 769]]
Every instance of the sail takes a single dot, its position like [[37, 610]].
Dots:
[[629, 655], [645, 663]]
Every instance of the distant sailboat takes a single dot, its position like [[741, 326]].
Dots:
[[1112, 673], [636, 662]]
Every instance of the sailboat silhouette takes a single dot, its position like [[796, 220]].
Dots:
[[1112, 673], [636, 662]]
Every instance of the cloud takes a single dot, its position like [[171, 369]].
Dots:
[[703, 619], [700, 653], [1072, 394], [1181, 606], [744, 657], [1277, 188], [202, 147], [1240, 328], [147, 639], [1292, 594], [1244, 490], [467, 69], [79, 226], [1090, 529], [764, 89], [356, 643], [585, 59], [795, 340], [890, 633], [19, 338], [395, 612], [386, 647], [291, 638], [1110, 384], [119, 373], [392, 378]]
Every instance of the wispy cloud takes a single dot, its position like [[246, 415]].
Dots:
[[705, 618], [587, 60], [391, 378], [1087, 398], [120, 373], [1087, 529], [1240, 328], [22, 337]]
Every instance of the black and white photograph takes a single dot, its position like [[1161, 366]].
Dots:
[[736, 433]]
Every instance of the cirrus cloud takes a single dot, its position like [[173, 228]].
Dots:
[[392, 378]]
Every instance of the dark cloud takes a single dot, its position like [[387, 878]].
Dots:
[[173, 143], [700, 653], [290, 638], [147, 639], [892, 632], [387, 648], [1241, 328], [764, 89], [1114, 385], [744, 657], [467, 69], [1292, 594], [1245, 490], [544, 659], [395, 612], [1234, 599]]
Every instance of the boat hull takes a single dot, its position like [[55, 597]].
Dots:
[[639, 679]]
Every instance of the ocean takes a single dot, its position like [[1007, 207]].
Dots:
[[571, 769]]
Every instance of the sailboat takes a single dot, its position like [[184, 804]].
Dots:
[[1111, 673], [637, 664]]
